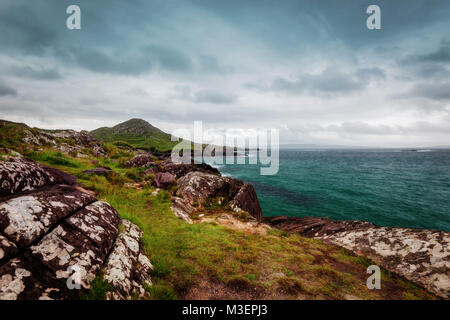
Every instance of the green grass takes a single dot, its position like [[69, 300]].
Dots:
[[186, 255]]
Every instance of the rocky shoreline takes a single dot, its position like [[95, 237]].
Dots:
[[419, 255], [48, 223]]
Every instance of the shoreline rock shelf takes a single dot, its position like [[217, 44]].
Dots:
[[419, 255], [48, 229]]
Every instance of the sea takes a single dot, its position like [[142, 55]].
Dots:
[[388, 187]]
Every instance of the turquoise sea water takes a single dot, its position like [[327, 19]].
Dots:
[[386, 187]]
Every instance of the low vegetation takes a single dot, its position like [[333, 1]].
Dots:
[[208, 260]]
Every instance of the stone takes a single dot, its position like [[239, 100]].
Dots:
[[199, 186], [101, 171], [51, 231], [419, 255], [164, 180], [18, 174], [127, 268]]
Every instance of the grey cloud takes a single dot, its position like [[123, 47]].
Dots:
[[203, 96], [440, 55], [37, 73], [7, 91], [211, 64], [216, 97], [435, 91], [97, 61], [329, 82], [170, 58]]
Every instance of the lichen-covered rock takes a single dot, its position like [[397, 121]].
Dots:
[[419, 255], [127, 268], [18, 174], [78, 141], [182, 209], [7, 249], [55, 238], [199, 186], [141, 160], [25, 218], [314, 227]]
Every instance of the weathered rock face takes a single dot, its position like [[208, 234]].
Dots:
[[18, 174], [199, 186], [182, 209], [127, 268], [164, 180], [421, 256], [178, 170], [182, 169], [141, 160], [247, 200], [314, 227], [81, 140], [53, 235]]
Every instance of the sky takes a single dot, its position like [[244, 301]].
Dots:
[[310, 68]]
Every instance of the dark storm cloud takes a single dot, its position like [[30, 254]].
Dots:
[[7, 90]]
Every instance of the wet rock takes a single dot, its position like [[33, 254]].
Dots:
[[164, 180]]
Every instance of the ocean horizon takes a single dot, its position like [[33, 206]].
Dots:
[[388, 187]]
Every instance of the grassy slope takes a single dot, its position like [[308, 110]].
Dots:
[[189, 259], [138, 133]]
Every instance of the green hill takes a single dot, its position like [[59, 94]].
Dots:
[[138, 133]]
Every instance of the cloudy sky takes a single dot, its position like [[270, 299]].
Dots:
[[310, 68]]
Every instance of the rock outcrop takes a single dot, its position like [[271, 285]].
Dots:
[[199, 186], [55, 239], [421, 256], [141, 161], [100, 171], [164, 180], [147, 160], [67, 141]]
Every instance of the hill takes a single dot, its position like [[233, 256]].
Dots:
[[138, 133]]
